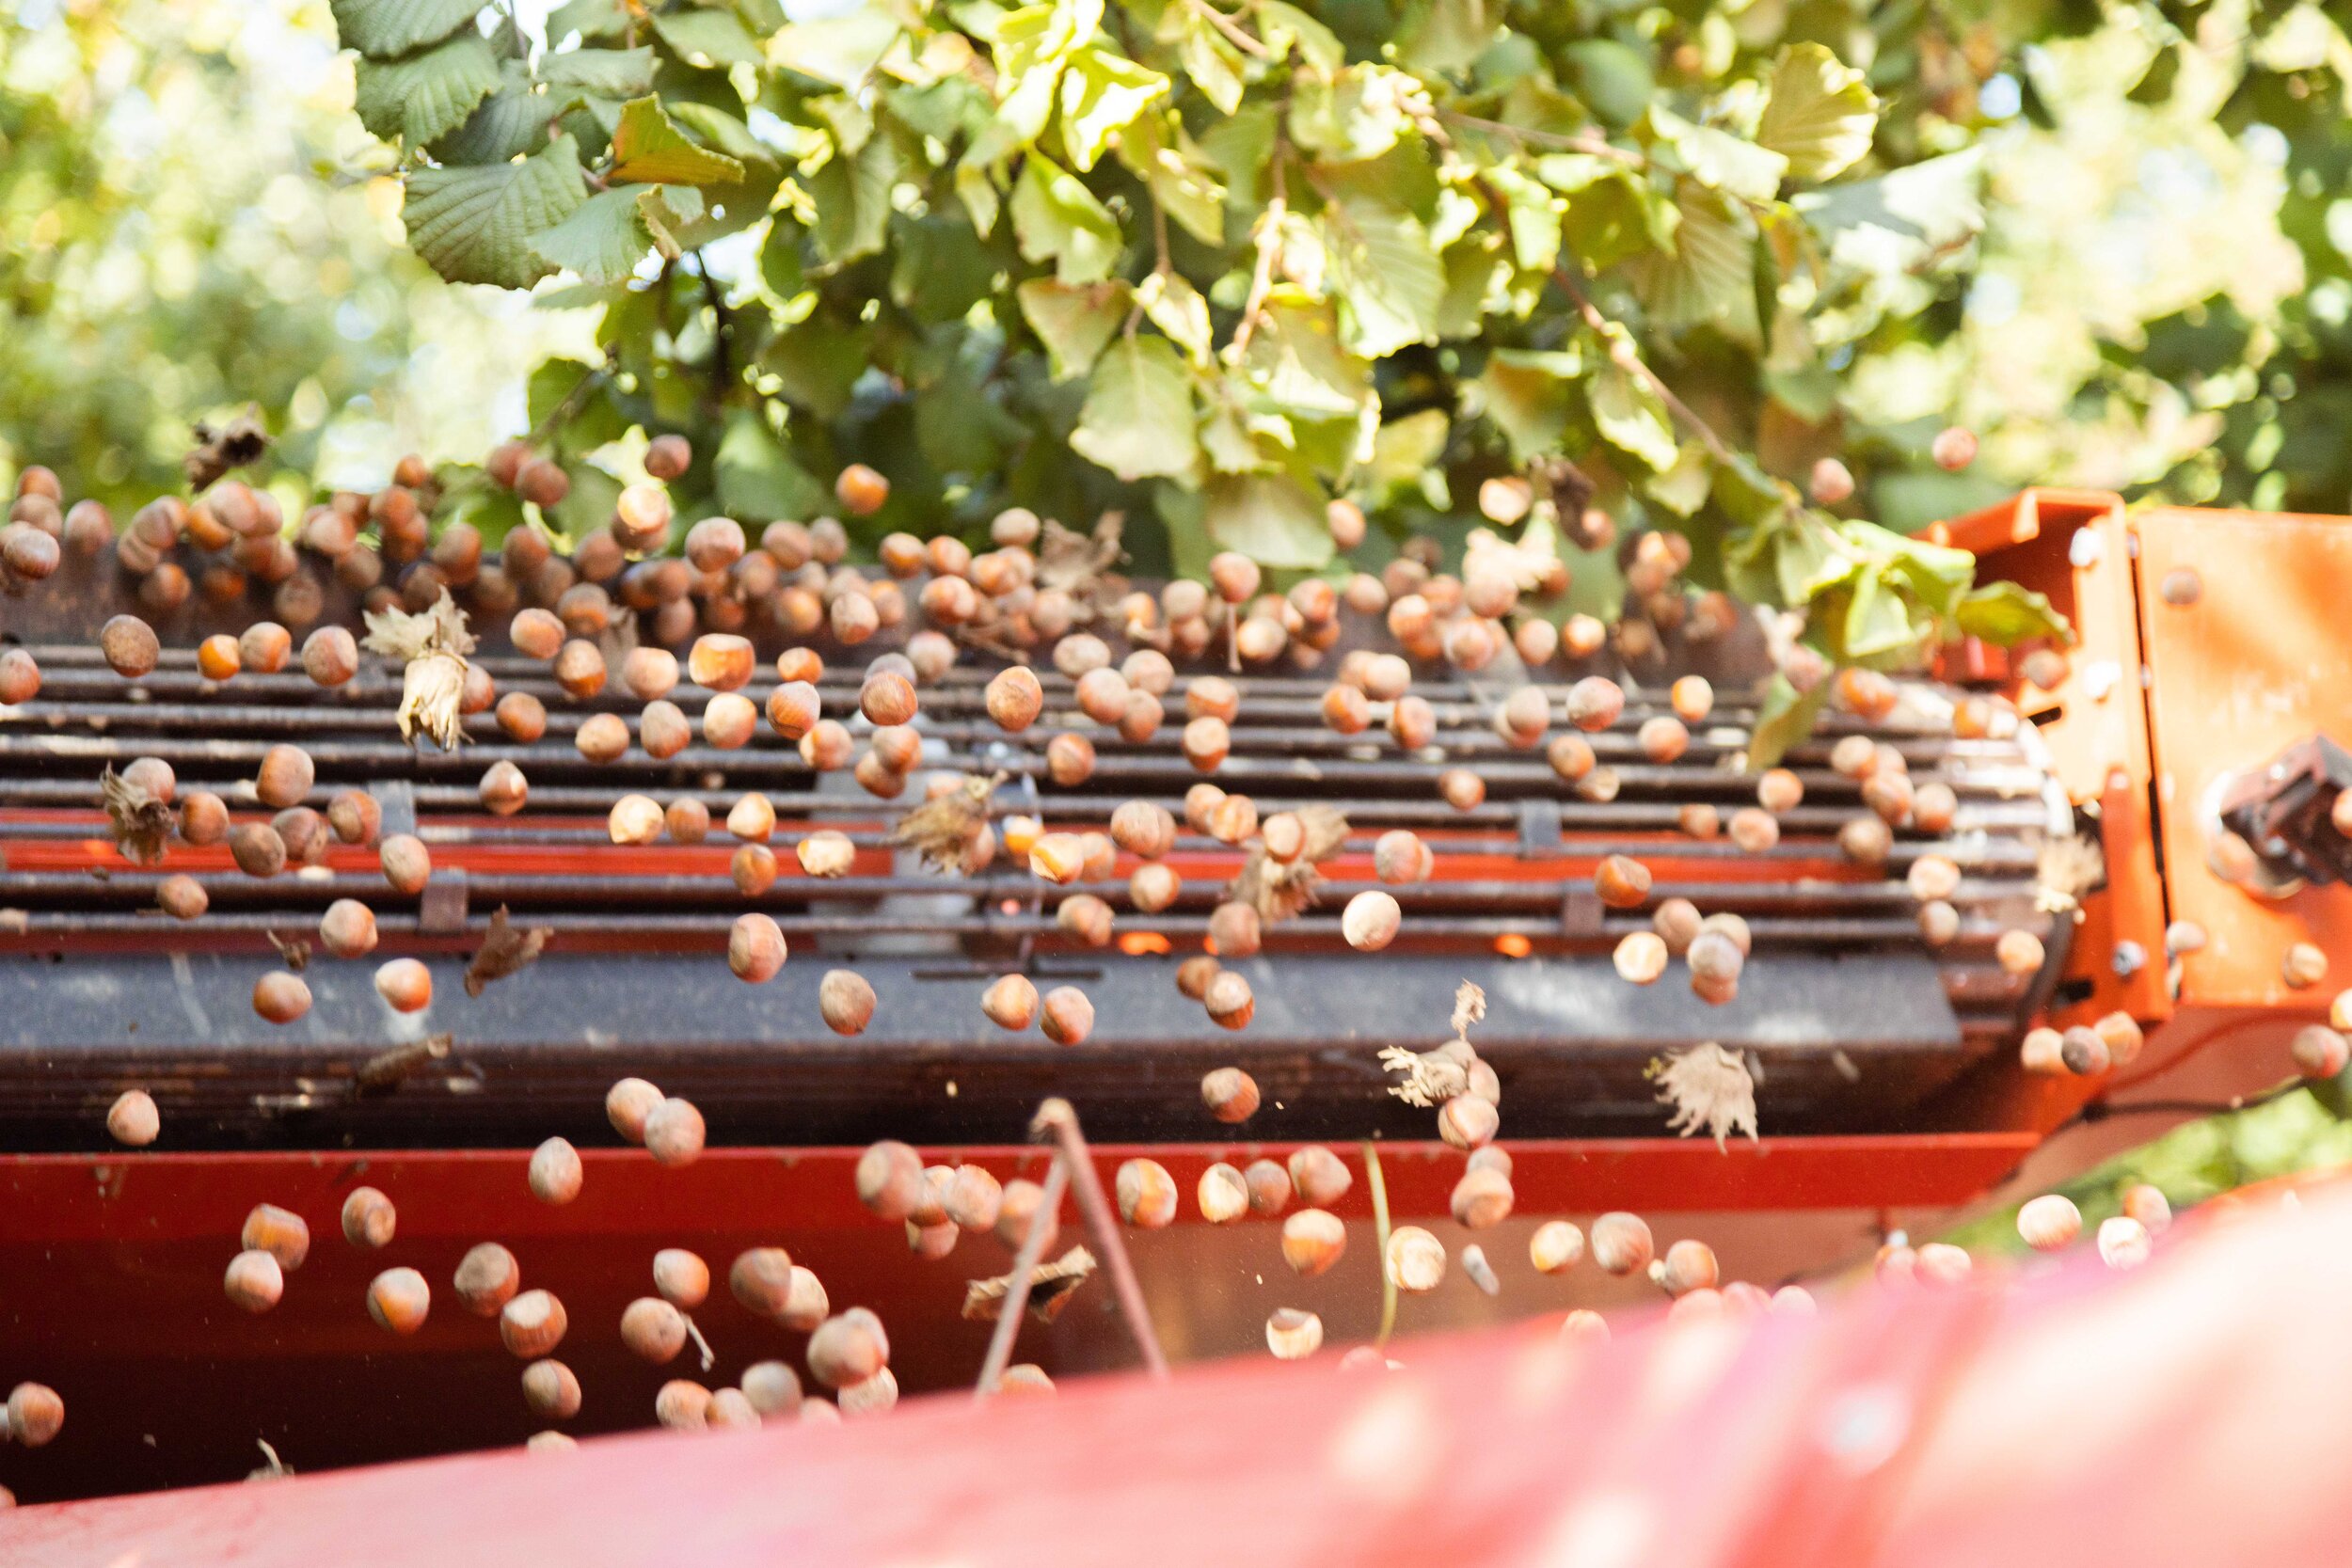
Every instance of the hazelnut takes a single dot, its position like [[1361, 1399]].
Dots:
[[257, 849], [1146, 1194], [1011, 1002], [204, 817], [1068, 1015], [673, 1132], [653, 1329], [1461, 789], [1400, 858], [2049, 1223], [1621, 1242], [551, 1391], [1320, 1176], [1482, 1198], [532, 1323], [1312, 1240], [1555, 1247], [522, 717], [848, 1349], [1621, 882], [1594, 702], [719, 661], [2305, 965], [487, 1278], [407, 864], [1153, 888], [1415, 1260], [682, 1404], [279, 997], [405, 984], [1230, 1001], [555, 1172], [826, 854], [1235, 931], [761, 1279], [398, 1300], [2318, 1051], [756, 948], [133, 1121], [1687, 1266], [1231, 1095], [2019, 952], [1223, 1195], [1293, 1334], [1371, 920], [1641, 957], [255, 1281], [846, 1001], [1269, 1186], [1467, 1120], [1015, 698], [627, 1106], [130, 646]]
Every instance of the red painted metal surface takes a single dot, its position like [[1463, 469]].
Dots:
[[2074, 1418]]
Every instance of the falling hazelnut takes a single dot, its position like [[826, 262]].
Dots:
[[1312, 1240], [551, 1391], [555, 1172], [133, 1122], [2049, 1223], [279, 997], [487, 1278], [1621, 1242], [1321, 1176], [1146, 1194], [1011, 1002], [1482, 1198], [673, 1132], [398, 1300], [532, 1323], [1555, 1247]]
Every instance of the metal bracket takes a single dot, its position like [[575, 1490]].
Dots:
[[396, 798], [2285, 812], [1580, 912], [1539, 829], [441, 908]]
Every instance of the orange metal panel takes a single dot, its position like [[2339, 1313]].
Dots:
[[2256, 663]]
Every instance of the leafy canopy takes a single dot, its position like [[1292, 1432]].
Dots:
[[1212, 267]]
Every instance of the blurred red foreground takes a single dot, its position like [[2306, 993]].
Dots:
[[2194, 1411]]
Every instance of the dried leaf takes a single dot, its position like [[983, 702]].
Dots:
[[241, 441], [946, 831], [2063, 870], [1470, 1006], [1710, 1087], [141, 822], [387, 1070], [1050, 1287], [295, 952], [505, 950], [435, 644], [1279, 890], [1431, 1077]]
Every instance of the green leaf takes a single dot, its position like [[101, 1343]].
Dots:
[[426, 96], [1056, 219], [1719, 160], [1877, 622], [852, 197], [1177, 309], [382, 28], [1443, 37], [1274, 520], [1213, 63], [1100, 95], [1182, 176], [1355, 116], [979, 194], [1785, 719], [621, 74], [650, 149], [839, 50], [1298, 364], [723, 133], [2005, 614], [1073, 321], [1934, 575], [476, 225], [711, 39], [1612, 78], [1137, 420], [590, 19], [1631, 418], [604, 239], [1285, 27], [1710, 280], [1383, 275], [1407, 456], [1526, 392], [1532, 215], [1820, 115], [1682, 489], [818, 362], [757, 480], [509, 123]]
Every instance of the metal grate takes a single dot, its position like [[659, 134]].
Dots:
[[1851, 1018]]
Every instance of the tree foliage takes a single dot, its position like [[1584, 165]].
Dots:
[[1211, 268], [169, 250]]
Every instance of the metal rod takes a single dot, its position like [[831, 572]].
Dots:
[[1058, 1117], [1041, 1225]]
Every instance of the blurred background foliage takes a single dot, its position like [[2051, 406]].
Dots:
[[192, 220], [191, 217]]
